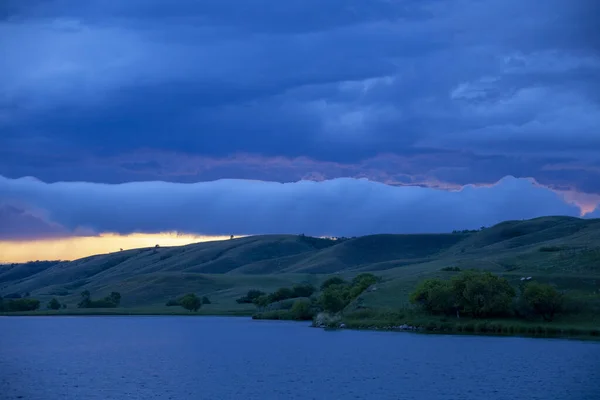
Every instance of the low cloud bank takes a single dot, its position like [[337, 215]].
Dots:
[[340, 207]]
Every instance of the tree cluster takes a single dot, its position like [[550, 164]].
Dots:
[[336, 293], [19, 304], [483, 294], [189, 302], [263, 299], [54, 304], [111, 301]]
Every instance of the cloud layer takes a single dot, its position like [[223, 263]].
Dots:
[[341, 207], [458, 92]]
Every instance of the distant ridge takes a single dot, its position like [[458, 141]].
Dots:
[[552, 245]]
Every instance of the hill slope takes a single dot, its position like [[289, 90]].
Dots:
[[563, 249]]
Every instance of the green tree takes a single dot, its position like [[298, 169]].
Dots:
[[335, 280], [85, 299], [335, 298], [283, 293], [303, 290], [434, 296], [205, 300], [190, 302], [54, 304], [261, 301], [115, 298], [482, 294], [26, 304], [301, 310], [543, 299], [250, 297], [364, 280]]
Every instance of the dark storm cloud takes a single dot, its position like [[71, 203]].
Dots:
[[467, 91], [335, 207]]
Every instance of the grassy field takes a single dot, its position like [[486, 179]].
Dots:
[[563, 251]]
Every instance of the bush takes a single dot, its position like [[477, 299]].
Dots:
[[434, 296], [479, 294], [190, 302], [250, 297], [205, 300], [550, 249], [450, 269], [281, 294], [111, 301], [54, 304], [482, 294], [302, 311], [336, 280], [25, 304], [261, 301], [335, 298], [303, 290], [544, 300]]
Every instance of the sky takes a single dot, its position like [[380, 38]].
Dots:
[[184, 121]]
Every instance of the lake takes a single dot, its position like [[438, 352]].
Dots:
[[182, 358]]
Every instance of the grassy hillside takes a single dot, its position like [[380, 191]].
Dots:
[[561, 250]]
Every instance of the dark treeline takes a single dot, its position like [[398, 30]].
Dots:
[[263, 299], [485, 295], [190, 302], [111, 301], [18, 304], [303, 302]]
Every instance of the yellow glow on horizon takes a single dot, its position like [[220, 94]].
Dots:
[[72, 248]]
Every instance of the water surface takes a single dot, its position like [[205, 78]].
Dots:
[[47, 358]]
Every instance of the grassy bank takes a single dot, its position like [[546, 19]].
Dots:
[[581, 326], [135, 311], [283, 315]]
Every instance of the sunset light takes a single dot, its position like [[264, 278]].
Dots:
[[73, 248]]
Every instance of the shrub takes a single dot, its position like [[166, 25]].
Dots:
[[549, 249], [205, 300], [24, 304], [111, 301], [434, 296], [302, 311], [281, 294], [190, 302], [303, 290], [365, 280], [250, 297], [480, 294], [544, 300], [54, 304], [262, 301], [335, 280], [335, 298], [451, 269]]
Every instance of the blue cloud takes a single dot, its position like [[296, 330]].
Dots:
[[336, 207]]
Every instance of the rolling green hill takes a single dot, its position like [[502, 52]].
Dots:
[[562, 250]]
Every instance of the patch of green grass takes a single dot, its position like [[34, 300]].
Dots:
[[581, 326]]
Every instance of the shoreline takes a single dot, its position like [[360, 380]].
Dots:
[[499, 328], [127, 312]]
